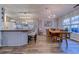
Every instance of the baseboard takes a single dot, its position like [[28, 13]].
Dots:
[[74, 40]]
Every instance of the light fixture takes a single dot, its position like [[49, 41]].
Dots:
[[12, 20], [49, 16], [52, 16]]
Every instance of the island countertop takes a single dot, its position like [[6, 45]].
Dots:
[[16, 30]]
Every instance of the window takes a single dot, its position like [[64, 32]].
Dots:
[[72, 24], [75, 20], [66, 24], [75, 28]]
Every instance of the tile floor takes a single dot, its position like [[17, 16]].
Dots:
[[43, 46]]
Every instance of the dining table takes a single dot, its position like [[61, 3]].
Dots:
[[60, 35]]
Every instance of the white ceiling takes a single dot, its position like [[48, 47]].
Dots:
[[40, 10]]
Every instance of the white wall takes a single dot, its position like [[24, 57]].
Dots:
[[0, 24], [1, 21], [74, 36]]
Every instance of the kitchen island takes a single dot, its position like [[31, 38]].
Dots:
[[14, 37]]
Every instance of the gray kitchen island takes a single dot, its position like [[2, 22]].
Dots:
[[14, 37]]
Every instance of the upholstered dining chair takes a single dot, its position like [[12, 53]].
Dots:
[[32, 35]]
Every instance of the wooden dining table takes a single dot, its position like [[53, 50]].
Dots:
[[60, 34]]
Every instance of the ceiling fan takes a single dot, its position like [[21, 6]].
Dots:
[[76, 5]]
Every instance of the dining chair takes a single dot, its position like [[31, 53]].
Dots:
[[32, 35], [64, 36], [48, 34]]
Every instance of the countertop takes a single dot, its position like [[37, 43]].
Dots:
[[16, 30]]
